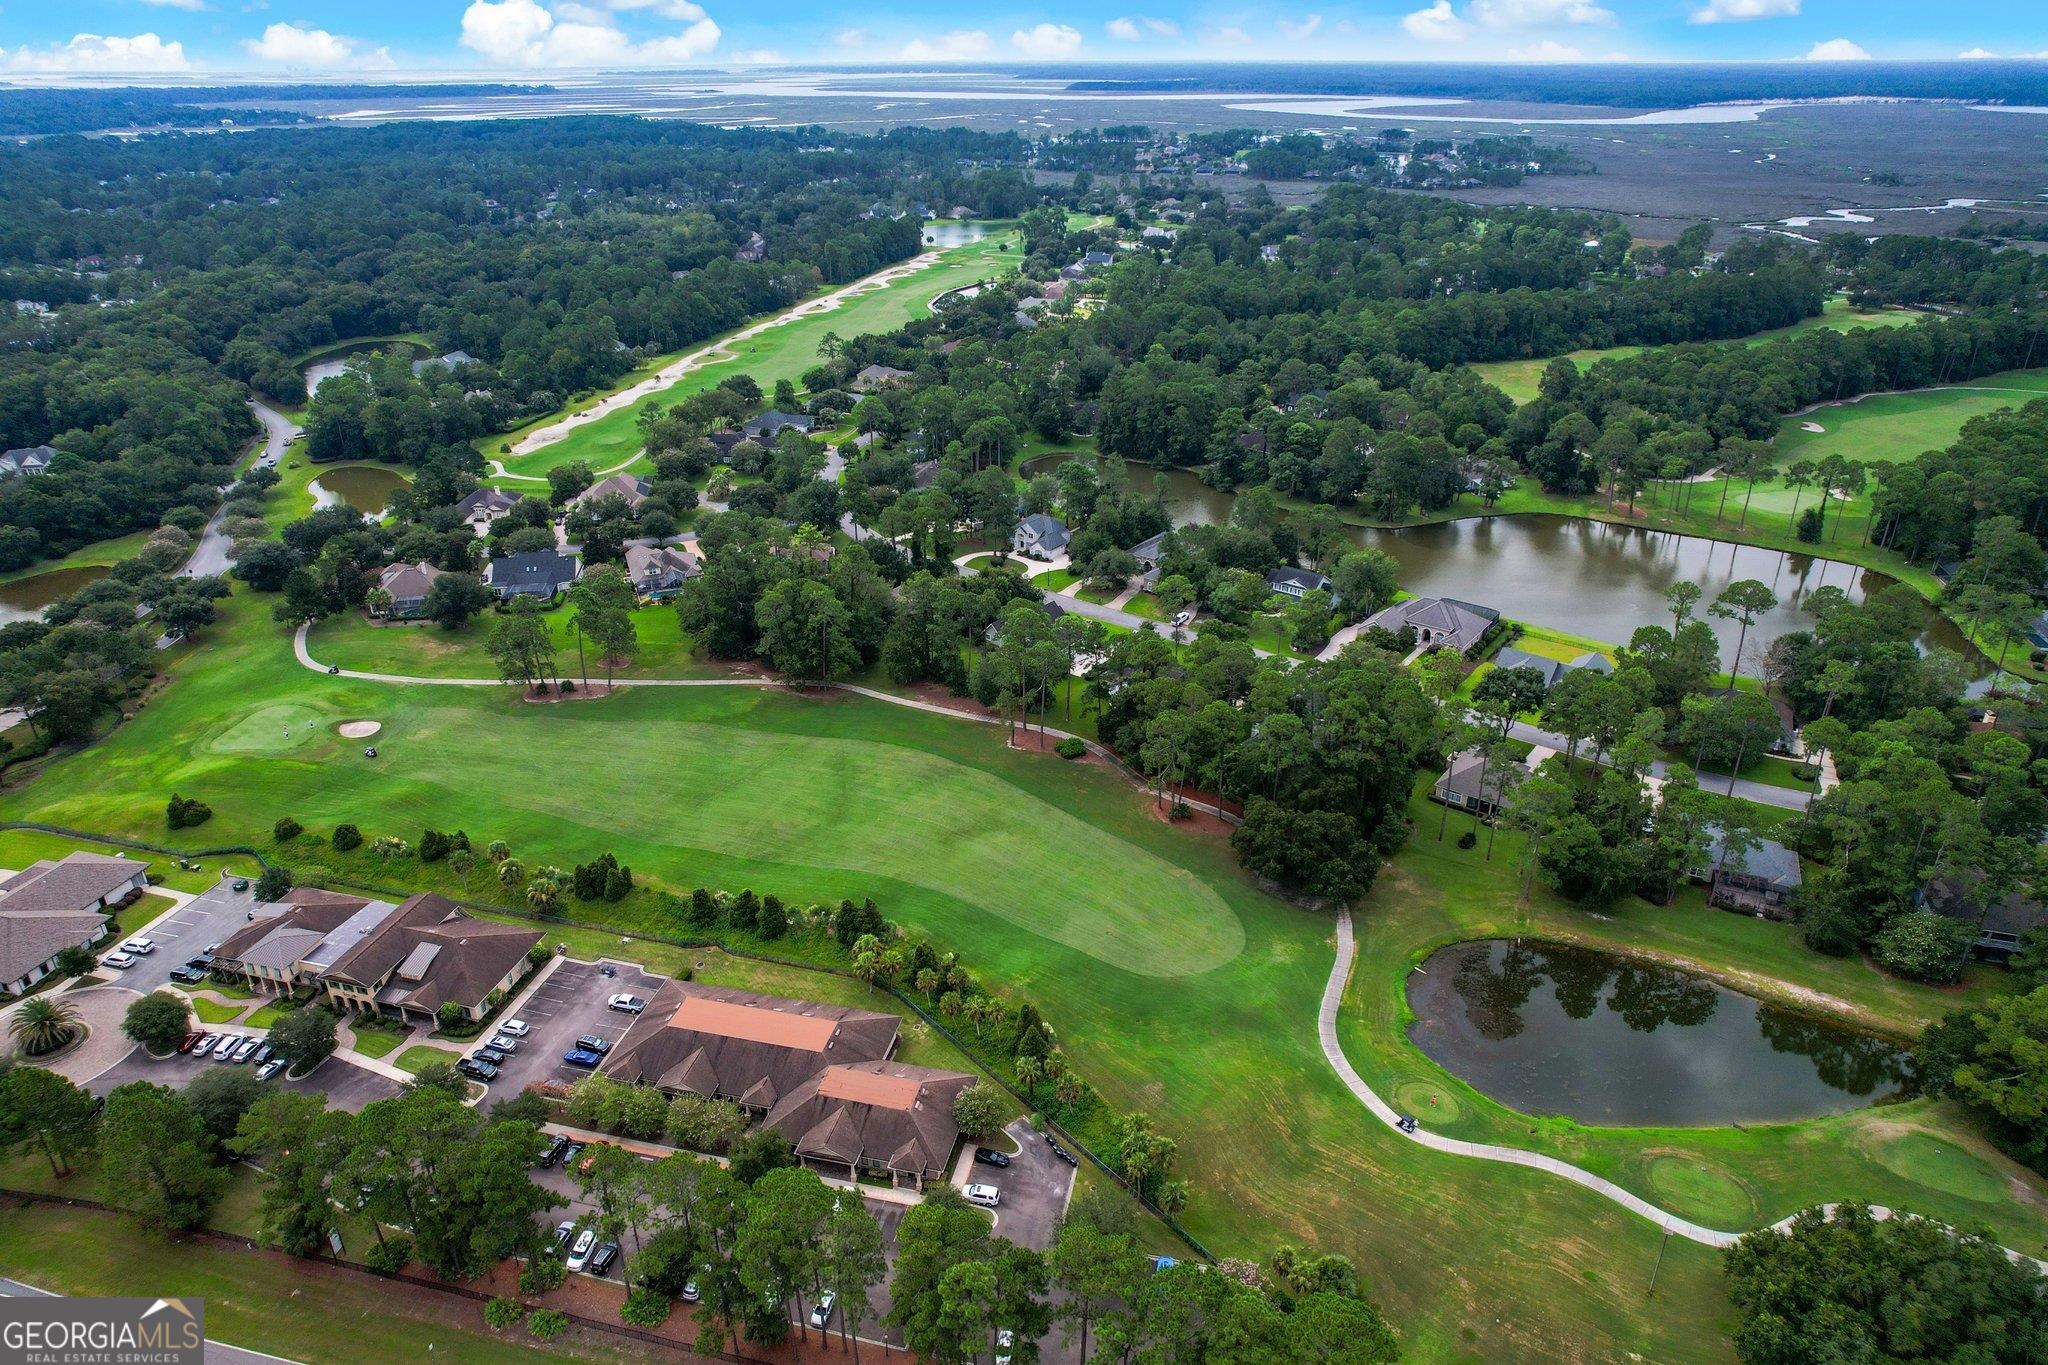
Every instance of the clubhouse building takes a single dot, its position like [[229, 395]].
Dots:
[[56, 904]]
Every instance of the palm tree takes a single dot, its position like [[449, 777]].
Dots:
[[42, 1025]]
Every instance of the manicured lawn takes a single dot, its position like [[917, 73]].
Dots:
[[1900, 426], [213, 1012], [427, 651], [265, 1017], [147, 907], [373, 1042], [782, 352], [20, 847], [1054, 580], [419, 1056]]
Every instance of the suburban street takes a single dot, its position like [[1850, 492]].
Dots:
[[1763, 793], [212, 553]]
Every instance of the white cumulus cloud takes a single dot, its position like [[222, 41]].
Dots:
[[91, 52], [293, 45], [1740, 11], [1437, 24], [956, 46], [1047, 40], [1976, 54], [528, 34], [1837, 50], [1538, 13], [1303, 29]]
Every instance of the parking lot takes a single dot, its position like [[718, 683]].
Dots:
[[344, 1085], [1035, 1187], [184, 933], [569, 1004]]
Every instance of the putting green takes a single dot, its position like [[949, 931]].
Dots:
[[1429, 1102], [1928, 1160], [1702, 1191], [272, 729]]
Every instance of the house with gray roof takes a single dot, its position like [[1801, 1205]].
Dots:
[[408, 585], [26, 460], [771, 424], [537, 573], [1468, 784], [1758, 881], [2001, 923], [1289, 581], [874, 377], [1553, 670], [60, 903], [485, 506], [1040, 536], [453, 360], [1438, 622], [425, 954], [631, 488], [658, 572]]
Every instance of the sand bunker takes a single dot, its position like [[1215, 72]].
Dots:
[[1814, 427], [360, 729]]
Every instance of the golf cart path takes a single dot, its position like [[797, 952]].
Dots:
[[720, 350], [1333, 1052], [306, 659]]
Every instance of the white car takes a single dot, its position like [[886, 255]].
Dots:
[[821, 1311], [514, 1028], [1181, 618], [1006, 1345], [987, 1196], [627, 1004], [503, 1044], [141, 947], [118, 960], [690, 1293], [579, 1255], [224, 1050]]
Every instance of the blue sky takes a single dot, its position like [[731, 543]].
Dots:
[[361, 37]]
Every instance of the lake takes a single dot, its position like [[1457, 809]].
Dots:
[[332, 363], [1547, 1028], [1574, 574], [365, 487], [23, 599], [946, 236]]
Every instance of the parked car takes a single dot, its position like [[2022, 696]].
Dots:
[[1062, 1153], [553, 1155], [602, 1259], [690, 1294], [503, 1044], [582, 1056], [482, 1071], [627, 1004], [1006, 1345], [1406, 1123], [821, 1311], [188, 974], [241, 883], [988, 1156], [204, 1045], [564, 1230], [244, 1050], [261, 1054], [1181, 618], [141, 947], [986, 1196], [224, 1050], [270, 1068], [607, 969], [488, 1054], [207, 954], [118, 960], [571, 1152], [579, 1253], [189, 1041], [514, 1028], [590, 1042]]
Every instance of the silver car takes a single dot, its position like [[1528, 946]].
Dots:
[[224, 1050]]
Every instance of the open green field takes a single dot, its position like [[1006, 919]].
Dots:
[[353, 641], [1518, 379], [1899, 426], [782, 352], [1157, 960]]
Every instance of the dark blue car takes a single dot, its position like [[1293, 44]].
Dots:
[[581, 1056]]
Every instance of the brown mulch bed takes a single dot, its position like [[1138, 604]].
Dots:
[[594, 692], [935, 694], [1198, 821]]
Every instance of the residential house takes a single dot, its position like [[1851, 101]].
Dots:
[[425, 954], [724, 439], [1438, 622], [537, 573], [408, 585], [755, 248], [1024, 320], [874, 377], [658, 572], [60, 903], [26, 460], [924, 473], [2001, 925], [287, 946], [630, 487], [1759, 882], [453, 360], [1040, 536], [1553, 670], [878, 1118], [1095, 260], [1468, 784], [1148, 552], [742, 1046], [1309, 402], [485, 506], [770, 424], [1289, 581]]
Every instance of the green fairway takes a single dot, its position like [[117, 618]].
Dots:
[[1900, 426], [1519, 379], [783, 351], [427, 651]]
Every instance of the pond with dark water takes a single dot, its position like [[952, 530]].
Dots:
[[23, 599], [1548, 1028], [1573, 574], [366, 487], [332, 363]]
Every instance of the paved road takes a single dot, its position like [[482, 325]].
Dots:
[[200, 923], [1036, 1186], [217, 1352], [213, 554], [1760, 792]]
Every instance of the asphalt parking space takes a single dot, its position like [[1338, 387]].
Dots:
[[184, 933], [569, 1004], [1035, 1188], [346, 1086]]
